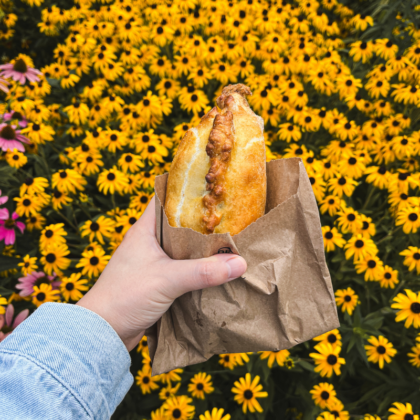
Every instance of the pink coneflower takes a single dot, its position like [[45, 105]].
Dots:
[[7, 325], [3, 199], [19, 71], [13, 115], [3, 85], [26, 284], [10, 138], [7, 227]]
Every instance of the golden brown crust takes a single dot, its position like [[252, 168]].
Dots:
[[235, 197], [218, 149]]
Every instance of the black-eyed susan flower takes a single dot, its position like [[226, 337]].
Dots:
[[330, 204], [342, 185], [93, 262], [228, 361], [169, 391], [52, 235], [171, 376], [111, 181], [200, 385], [246, 391], [28, 205], [412, 258], [333, 337], [402, 412], [409, 218], [409, 308], [179, 408], [332, 238], [388, 277], [35, 221], [324, 394], [68, 180], [97, 229], [54, 258], [327, 359], [415, 355], [78, 112], [359, 247], [28, 265], [72, 286], [16, 159], [44, 293], [372, 266], [146, 381], [380, 350], [275, 356], [347, 299], [215, 414], [336, 408]]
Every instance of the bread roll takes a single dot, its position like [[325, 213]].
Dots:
[[217, 181]]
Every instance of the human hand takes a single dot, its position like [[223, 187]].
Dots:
[[140, 281]]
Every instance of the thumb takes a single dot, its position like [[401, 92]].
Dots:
[[188, 275]]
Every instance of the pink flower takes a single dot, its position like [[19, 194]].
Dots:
[[6, 325], [13, 115], [7, 227], [3, 199], [3, 85], [19, 71], [10, 138], [26, 284]]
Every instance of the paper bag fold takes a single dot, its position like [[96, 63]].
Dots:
[[284, 298]]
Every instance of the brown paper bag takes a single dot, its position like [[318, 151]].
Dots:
[[284, 298]]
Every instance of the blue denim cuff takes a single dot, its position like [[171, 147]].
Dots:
[[81, 350]]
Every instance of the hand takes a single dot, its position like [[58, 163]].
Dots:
[[140, 281]]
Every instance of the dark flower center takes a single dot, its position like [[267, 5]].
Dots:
[[332, 359], [413, 217], [176, 414], [342, 181], [408, 416], [371, 263], [146, 379], [381, 349], [8, 133], [110, 176], [352, 161], [151, 149], [9, 223], [63, 174], [50, 258], [328, 235], [332, 338], [143, 199], [248, 394], [41, 296], [94, 226], [415, 307], [69, 286], [359, 243], [351, 217], [347, 298], [94, 261], [200, 387], [20, 66], [132, 220], [325, 395], [49, 233]]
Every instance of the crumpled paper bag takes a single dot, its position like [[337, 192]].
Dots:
[[284, 298]]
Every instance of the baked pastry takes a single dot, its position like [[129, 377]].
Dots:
[[217, 181]]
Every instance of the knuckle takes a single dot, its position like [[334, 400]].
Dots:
[[207, 275]]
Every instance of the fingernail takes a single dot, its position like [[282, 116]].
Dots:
[[236, 266]]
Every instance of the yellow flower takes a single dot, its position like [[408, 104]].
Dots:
[[3, 302], [409, 306], [333, 337], [216, 414], [381, 350], [347, 299], [72, 286], [179, 408], [44, 293], [97, 229], [278, 356], [327, 360], [415, 355], [402, 412], [246, 393], [54, 258], [324, 394], [28, 265], [200, 385], [93, 262], [146, 381]]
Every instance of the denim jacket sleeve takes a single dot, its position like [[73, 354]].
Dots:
[[63, 362]]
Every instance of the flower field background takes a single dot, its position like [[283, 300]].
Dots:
[[94, 100]]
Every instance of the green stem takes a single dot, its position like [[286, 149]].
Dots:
[[67, 220], [389, 234], [84, 211], [369, 197]]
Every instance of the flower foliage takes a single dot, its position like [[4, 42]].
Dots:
[[95, 98]]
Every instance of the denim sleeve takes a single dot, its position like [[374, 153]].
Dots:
[[63, 362]]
